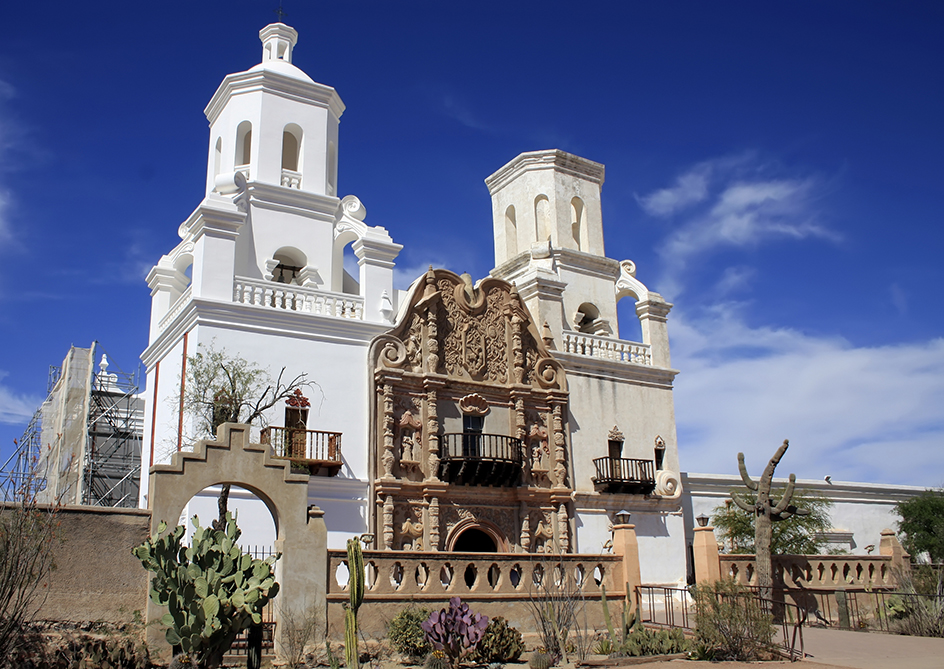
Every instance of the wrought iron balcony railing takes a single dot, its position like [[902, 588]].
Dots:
[[625, 475], [472, 458], [319, 451]]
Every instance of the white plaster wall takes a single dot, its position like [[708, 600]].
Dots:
[[863, 509], [272, 230], [660, 535], [599, 402], [584, 286]]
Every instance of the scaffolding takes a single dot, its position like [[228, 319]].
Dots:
[[83, 444]]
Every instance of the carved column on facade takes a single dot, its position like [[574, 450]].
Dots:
[[434, 524], [388, 523], [525, 539], [560, 455], [432, 434], [517, 350], [563, 528], [388, 458]]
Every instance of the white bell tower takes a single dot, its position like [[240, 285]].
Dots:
[[274, 124]]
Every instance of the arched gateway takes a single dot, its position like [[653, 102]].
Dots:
[[301, 535]]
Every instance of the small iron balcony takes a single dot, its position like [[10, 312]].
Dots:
[[319, 452], [624, 475], [472, 458]]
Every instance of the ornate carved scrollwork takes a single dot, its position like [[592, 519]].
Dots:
[[392, 353], [473, 404]]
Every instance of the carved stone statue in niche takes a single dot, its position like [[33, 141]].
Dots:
[[544, 536], [409, 444]]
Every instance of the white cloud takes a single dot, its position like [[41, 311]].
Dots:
[[731, 203], [15, 408], [734, 279], [405, 275], [689, 189], [856, 413]]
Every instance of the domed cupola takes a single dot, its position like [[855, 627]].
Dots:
[[274, 123]]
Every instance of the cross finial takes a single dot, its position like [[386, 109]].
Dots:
[[279, 13]]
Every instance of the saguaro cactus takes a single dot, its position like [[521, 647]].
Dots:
[[766, 512], [355, 586]]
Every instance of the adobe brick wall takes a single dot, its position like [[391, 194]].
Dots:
[[96, 577]]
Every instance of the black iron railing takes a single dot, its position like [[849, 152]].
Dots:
[[320, 451], [472, 458], [625, 475]]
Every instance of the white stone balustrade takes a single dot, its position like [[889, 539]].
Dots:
[[291, 179], [594, 346], [297, 298], [815, 571], [177, 307]]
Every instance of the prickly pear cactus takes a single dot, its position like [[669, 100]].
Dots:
[[212, 590], [456, 630]]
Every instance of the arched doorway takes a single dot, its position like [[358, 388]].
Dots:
[[474, 540]]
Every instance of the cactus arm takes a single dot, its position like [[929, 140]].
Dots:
[[774, 461], [787, 496], [606, 615], [742, 504], [751, 485]]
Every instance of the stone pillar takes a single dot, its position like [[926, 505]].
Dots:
[[890, 546], [376, 253], [626, 546], [214, 248], [652, 316], [707, 559]]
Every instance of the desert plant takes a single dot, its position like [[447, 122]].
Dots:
[[212, 590], [299, 629], [731, 623], [641, 641], [501, 643], [541, 659], [28, 536], [917, 610], [334, 662], [556, 601], [456, 631], [406, 633], [766, 512], [182, 661], [355, 587], [437, 660]]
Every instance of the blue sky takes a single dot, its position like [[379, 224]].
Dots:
[[774, 169]]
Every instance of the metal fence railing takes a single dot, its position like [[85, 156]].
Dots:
[[241, 644], [676, 607]]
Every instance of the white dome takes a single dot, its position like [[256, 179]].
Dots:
[[283, 68]]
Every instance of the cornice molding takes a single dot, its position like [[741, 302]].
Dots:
[[550, 159], [610, 370], [269, 81]]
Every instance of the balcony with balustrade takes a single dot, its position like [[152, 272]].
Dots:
[[473, 458], [606, 348], [318, 452], [624, 475]]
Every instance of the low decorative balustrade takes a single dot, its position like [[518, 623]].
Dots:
[[594, 346], [297, 298], [473, 458], [319, 451], [492, 583], [291, 178], [624, 475], [824, 572], [175, 310]]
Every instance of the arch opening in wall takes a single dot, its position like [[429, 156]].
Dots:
[[587, 320], [243, 144], [476, 536], [252, 515], [332, 176], [578, 225], [542, 218], [511, 231], [629, 326], [345, 271], [291, 156], [286, 266], [183, 264], [217, 157]]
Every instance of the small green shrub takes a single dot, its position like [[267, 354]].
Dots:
[[541, 660], [437, 660], [501, 643], [406, 633], [731, 624], [642, 641]]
